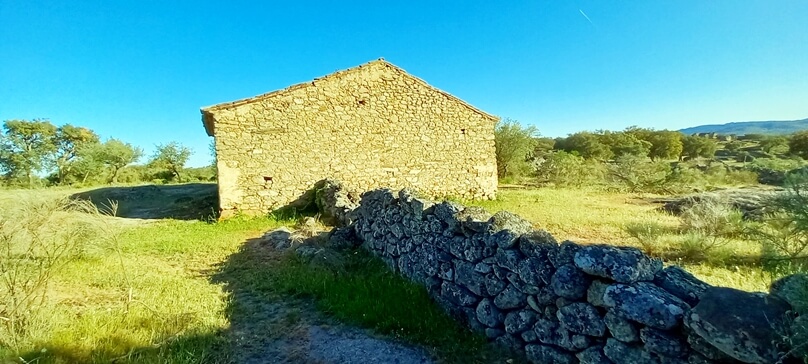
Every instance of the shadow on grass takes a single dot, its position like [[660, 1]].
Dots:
[[351, 288], [192, 201]]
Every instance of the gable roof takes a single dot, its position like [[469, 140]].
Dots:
[[208, 111]]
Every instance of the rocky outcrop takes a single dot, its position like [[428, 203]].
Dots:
[[565, 303]]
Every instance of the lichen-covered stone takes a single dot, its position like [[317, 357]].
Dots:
[[621, 264], [621, 328], [564, 254], [467, 277], [539, 354], [743, 325], [504, 220], [582, 318], [509, 259], [663, 342], [538, 244], [620, 352], [593, 355], [570, 282], [794, 290], [551, 332], [510, 298], [458, 295], [681, 284], [535, 271], [494, 285], [595, 292], [488, 314], [519, 321], [645, 303]]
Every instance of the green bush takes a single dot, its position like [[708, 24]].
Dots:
[[568, 169], [36, 240], [713, 219], [783, 233]]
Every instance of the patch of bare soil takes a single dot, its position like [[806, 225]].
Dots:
[[192, 201], [280, 329]]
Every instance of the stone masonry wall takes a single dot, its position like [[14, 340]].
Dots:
[[368, 127], [567, 303]]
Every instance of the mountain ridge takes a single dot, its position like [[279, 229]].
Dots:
[[772, 127]]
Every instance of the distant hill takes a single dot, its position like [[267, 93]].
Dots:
[[751, 127]]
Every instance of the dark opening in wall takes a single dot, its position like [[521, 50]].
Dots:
[[361, 102], [267, 179], [462, 131]]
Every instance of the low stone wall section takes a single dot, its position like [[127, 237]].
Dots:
[[565, 302]]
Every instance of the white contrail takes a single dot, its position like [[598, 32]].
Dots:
[[587, 18]]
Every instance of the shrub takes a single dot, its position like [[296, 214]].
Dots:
[[783, 233], [567, 169], [714, 220], [647, 235], [638, 174], [36, 240]]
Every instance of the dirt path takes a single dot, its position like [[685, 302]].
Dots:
[[290, 330]]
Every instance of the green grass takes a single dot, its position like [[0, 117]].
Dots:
[[592, 216], [365, 293], [169, 291]]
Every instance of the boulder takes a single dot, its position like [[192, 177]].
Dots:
[[743, 325], [681, 284], [794, 290], [538, 243], [582, 318], [535, 271], [645, 303], [625, 265]]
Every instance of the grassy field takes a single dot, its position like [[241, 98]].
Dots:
[[167, 291]]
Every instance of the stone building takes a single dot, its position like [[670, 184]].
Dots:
[[370, 126]]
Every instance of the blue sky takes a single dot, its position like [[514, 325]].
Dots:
[[140, 70]]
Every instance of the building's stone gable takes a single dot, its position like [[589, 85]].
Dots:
[[370, 126]]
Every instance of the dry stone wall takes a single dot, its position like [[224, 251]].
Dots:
[[368, 127], [564, 302]]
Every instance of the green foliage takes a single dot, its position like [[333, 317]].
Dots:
[[774, 145], [694, 146], [585, 144], [648, 235], [514, 146], [665, 144], [708, 223], [26, 147], [622, 143], [543, 147], [783, 232], [798, 144], [733, 146], [567, 169], [638, 174], [363, 291], [776, 164], [69, 141], [36, 240], [114, 154]]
